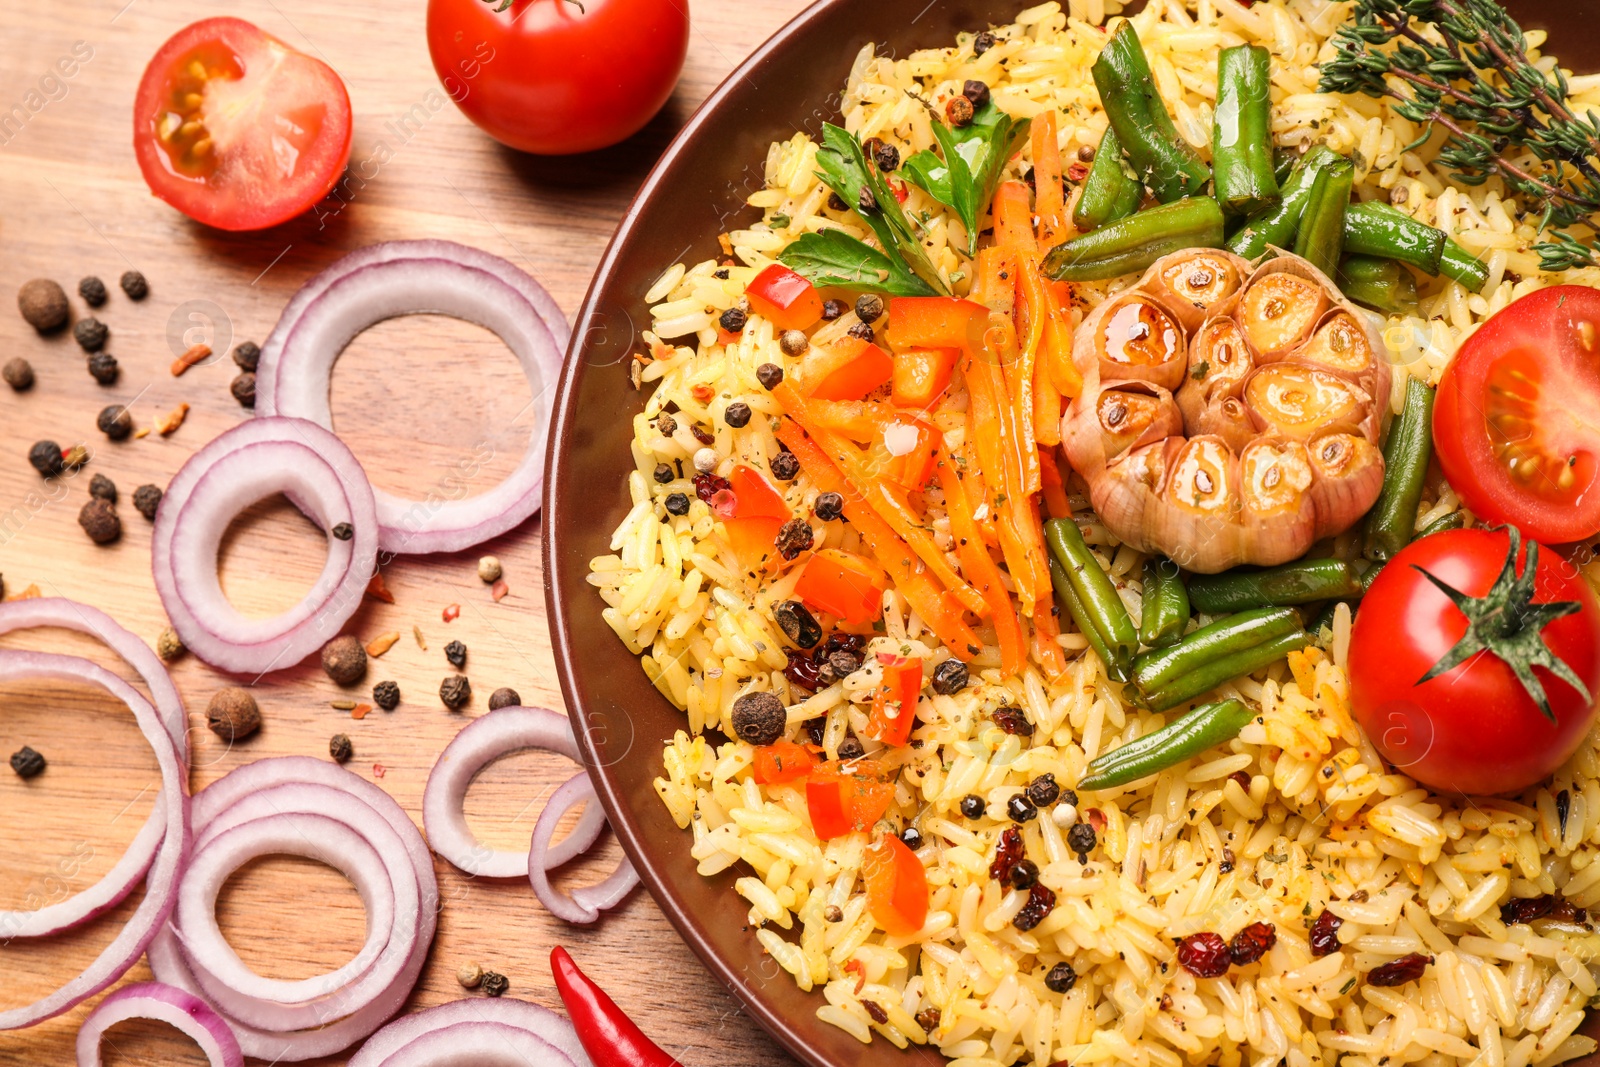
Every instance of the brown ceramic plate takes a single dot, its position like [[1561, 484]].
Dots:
[[695, 192]]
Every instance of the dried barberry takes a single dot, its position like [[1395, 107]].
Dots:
[[802, 671], [1204, 955], [1041, 902], [1325, 933], [1008, 852], [861, 331], [707, 485], [1526, 909], [1407, 968], [1251, 943], [1013, 720]]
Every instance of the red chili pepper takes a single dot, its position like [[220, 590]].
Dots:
[[609, 1037]]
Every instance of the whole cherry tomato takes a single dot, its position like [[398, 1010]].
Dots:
[[558, 76]]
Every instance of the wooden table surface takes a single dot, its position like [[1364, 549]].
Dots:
[[411, 397]]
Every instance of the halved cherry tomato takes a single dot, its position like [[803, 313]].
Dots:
[[236, 129], [894, 702], [757, 513], [841, 584], [935, 322], [782, 762], [848, 369], [1517, 420], [847, 797], [921, 375], [897, 886], [784, 299]]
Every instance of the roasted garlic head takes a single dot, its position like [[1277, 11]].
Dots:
[[1229, 415]]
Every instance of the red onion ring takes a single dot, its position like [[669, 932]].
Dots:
[[482, 741], [479, 1044], [384, 281], [248, 463], [152, 1000], [161, 885], [230, 801], [114, 886], [581, 905], [458, 1015]]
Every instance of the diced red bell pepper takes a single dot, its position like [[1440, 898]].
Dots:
[[842, 584], [784, 299], [894, 703], [897, 886], [758, 513], [936, 322], [921, 375], [909, 470], [782, 762], [847, 797], [847, 369], [757, 496]]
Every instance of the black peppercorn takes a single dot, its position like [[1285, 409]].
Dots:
[[886, 156], [243, 388], [911, 837], [455, 691], [90, 333], [733, 320], [103, 368], [1044, 791], [1020, 809], [43, 304], [115, 422], [342, 531], [950, 677], [867, 202], [456, 653], [737, 414], [798, 624], [134, 285], [851, 748], [93, 291], [344, 659], [972, 806], [146, 499], [832, 309], [46, 458], [664, 473], [721, 274], [232, 714], [1024, 874], [828, 507], [784, 466], [340, 748], [982, 43], [386, 695], [869, 307], [676, 504], [794, 537], [104, 488], [836, 202], [18, 374], [504, 697], [27, 763], [759, 718], [247, 355], [769, 375], [1081, 839], [843, 663], [861, 331], [977, 92], [494, 983], [1061, 978]]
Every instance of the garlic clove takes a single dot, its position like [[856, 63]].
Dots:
[[1134, 415], [1219, 363], [1347, 478], [1225, 417], [1204, 478], [1194, 282], [1137, 340], [1279, 310], [1300, 402], [1340, 343], [1274, 477]]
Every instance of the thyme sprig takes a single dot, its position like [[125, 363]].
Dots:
[[1463, 65]]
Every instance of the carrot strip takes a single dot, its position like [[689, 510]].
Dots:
[[993, 285], [1055, 490], [1046, 628], [1013, 226], [995, 436], [977, 497], [1049, 201], [1057, 355], [979, 568], [1033, 313], [1046, 408]]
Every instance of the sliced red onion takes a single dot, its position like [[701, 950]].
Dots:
[[581, 905], [479, 1044], [460, 1015], [161, 884], [248, 463], [114, 886], [415, 277], [152, 1000], [252, 793], [482, 741]]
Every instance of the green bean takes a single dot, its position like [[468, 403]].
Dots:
[[1381, 284], [1283, 161], [1324, 619], [1109, 191], [1301, 582], [1320, 236], [1209, 675], [1405, 458], [1084, 622], [1160, 667], [1453, 521], [1370, 575], [1164, 161], [1130, 245], [1204, 728], [1164, 609], [1376, 229], [1462, 266], [1275, 227], [1241, 132], [1095, 590]]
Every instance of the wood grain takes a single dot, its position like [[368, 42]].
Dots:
[[412, 397]]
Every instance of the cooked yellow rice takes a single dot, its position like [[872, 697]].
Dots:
[[1320, 824]]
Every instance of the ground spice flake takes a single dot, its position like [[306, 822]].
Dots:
[[499, 590], [194, 354], [30, 593], [452, 612], [343, 705], [377, 589], [169, 422], [416, 631], [379, 770], [360, 711], [382, 643]]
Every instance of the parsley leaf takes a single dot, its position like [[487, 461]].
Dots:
[[833, 257], [843, 167], [974, 155]]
